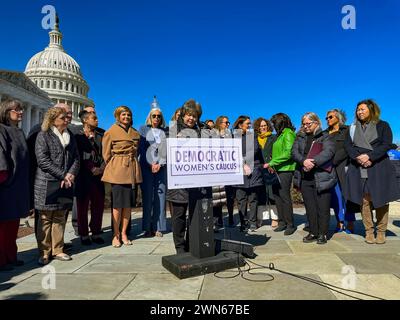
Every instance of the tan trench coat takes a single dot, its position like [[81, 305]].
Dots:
[[120, 154]]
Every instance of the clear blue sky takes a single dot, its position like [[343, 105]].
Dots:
[[255, 57]]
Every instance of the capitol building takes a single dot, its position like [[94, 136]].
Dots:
[[51, 76], [58, 74]]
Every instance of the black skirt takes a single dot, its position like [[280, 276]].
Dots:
[[123, 196]]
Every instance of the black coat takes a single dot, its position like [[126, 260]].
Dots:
[[181, 195], [14, 158], [54, 162], [341, 158], [90, 155], [323, 180], [266, 193], [382, 183], [255, 161]]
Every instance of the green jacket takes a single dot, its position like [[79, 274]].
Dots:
[[282, 152]]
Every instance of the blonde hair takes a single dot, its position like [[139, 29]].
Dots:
[[148, 119], [51, 115], [120, 110]]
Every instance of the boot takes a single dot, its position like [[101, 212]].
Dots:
[[366, 214], [382, 218]]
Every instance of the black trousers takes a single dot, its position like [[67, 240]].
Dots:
[[317, 207], [248, 196], [179, 226], [217, 213], [283, 199], [230, 200]]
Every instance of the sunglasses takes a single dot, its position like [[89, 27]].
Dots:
[[18, 110], [158, 116], [226, 122], [329, 117]]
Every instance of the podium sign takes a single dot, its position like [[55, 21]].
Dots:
[[202, 162]]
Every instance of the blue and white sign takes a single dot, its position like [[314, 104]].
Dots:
[[195, 162]]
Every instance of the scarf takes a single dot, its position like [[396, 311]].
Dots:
[[64, 137], [262, 138], [362, 138]]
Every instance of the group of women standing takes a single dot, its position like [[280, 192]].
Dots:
[[345, 168]]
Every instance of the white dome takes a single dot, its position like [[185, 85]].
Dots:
[[53, 59], [57, 73]]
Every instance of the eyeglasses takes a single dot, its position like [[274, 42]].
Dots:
[[158, 116], [329, 117], [309, 124], [17, 110], [226, 122]]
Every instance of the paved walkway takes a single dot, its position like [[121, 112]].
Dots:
[[135, 272]]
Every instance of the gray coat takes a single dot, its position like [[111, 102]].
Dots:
[[323, 180], [382, 184], [14, 158], [254, 160], [54, 162]]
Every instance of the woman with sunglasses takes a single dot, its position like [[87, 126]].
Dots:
[[14, 181], [152, 159], [337, 130]]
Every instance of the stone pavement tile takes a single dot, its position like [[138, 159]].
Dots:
[[342, 236], [138, 237], [281, 288], [13, 277], [303, 264], [390, 236], [22, 246], [125, 263], [274, 247], [162, 287], [70, 287], [386, 286], [165, 249], [28, 239], [77, 262], [299, 247], [362, 247], [372, 263], [136, 248]]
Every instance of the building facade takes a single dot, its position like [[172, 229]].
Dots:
[[16, 85]]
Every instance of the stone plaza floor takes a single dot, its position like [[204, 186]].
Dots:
[[136, 273]]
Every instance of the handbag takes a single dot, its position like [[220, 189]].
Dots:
[[270, 178], [55, 195]]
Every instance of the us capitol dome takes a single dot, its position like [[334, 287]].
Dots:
[[58, 74]]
